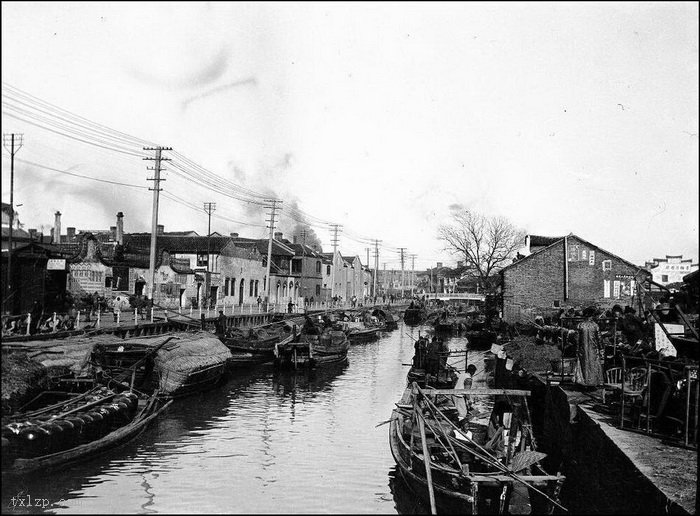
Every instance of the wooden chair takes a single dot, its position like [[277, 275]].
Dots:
[[634, 381], [613, 381]]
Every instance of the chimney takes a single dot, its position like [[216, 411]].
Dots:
[[120, 228], [56, 238], [160, 229], [32, 234], [71, 234], [439, 264], [234, 235], [294, 239], [278, 235]]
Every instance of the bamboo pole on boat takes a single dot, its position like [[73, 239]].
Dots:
[[426, 460], [493, 460]]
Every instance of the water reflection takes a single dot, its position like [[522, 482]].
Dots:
[[263, 442], [405, 500], [288, 383]]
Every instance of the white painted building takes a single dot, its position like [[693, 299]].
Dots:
[[670, 269]]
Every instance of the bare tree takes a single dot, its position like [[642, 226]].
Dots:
[[487, 243]]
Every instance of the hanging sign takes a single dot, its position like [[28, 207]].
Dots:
[[56, 264]]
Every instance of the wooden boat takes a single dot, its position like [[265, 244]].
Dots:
[[453, 323], [256, 345], [310, 350], [390, 320], [177, 365], [362, 332], [414, 315], [464, 465], [75, 429]]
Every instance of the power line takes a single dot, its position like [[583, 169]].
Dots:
[[38, 165]]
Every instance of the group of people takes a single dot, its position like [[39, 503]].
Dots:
[[430, 355], [636, 334]]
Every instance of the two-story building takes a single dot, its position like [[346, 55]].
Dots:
[[671, 269], [563, 272]]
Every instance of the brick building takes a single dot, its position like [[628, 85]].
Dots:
[[543, 282]]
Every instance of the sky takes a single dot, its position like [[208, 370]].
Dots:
[[384, 118]]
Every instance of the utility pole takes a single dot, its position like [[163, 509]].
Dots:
[[401, 250], [334, 241], [413, 269], [376, 266], [384, 279], [303, 259], [154, 221], [209, 208], [14, 140], [271, 204]]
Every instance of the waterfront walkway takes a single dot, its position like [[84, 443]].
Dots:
[[670, 469]]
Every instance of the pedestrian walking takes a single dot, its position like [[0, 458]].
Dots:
[[589, 370]]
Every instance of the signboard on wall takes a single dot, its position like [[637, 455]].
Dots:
[[663, 345], [56, 264]]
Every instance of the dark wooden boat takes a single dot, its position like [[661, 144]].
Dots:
[[240, 358], [415, 315], [467, 465], [256, 345], [311, 350], [451, 324], [362, 332], [176, 365], [75, 429], [390, 320]]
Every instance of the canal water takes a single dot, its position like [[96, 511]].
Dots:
[[263, 442]]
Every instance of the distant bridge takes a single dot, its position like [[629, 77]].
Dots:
[[457, 295]]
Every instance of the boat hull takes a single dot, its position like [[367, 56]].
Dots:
[[150, 411]]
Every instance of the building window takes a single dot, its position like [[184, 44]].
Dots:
[[226, 285], [606, 288], [318, 267], [664, 278], [328, 269], [318, 289], [583, 255], [591, 258], [108, 282], [616, 289], [607, 265], [556, 304], [252, 286], [202, 260]]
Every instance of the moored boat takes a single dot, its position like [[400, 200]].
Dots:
[[76, 429], [257, 344], [461, 463], [310, 350], [389, 319], [362, 332], [414, 315], [180, 363]]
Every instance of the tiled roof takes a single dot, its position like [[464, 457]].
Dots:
[[570, 235], [304, 250], [539, 241], [278, 248], [177, 244], [16, 233]]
